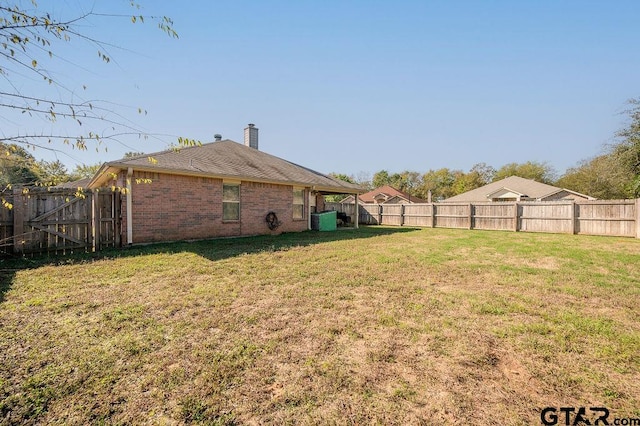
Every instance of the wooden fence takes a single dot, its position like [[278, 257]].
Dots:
[[59, 221], [608, 217]]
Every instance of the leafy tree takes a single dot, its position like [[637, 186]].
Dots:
[[408, 181], [479, 175], [31, 40], [396, 181], [627, 150], [615, 173], [17, 167], [601, 177], [83, 171], [484, 173], [132, 154], [439, 182], [52, 173], [540, 172], [342, 177], [464, 182], [381, 178], [338, 197]]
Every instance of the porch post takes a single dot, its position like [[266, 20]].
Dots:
[[309, 209], [357, 215]]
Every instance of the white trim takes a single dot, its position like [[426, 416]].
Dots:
[[357, 205], [231, 182], [312, 194], [305, 203], [504, 188]]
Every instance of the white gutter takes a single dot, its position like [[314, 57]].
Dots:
[[129, 208]]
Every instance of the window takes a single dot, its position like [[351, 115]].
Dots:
[[230, 202], [298, 203]]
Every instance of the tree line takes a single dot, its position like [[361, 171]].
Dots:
[[614, 174], [19, 167]]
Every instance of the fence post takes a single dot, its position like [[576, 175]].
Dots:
[[96, 212], [433, 215], [379, 214], [470, 216], [515, 217], [573, 217], [401, 214], [18, 220], [638, 218]]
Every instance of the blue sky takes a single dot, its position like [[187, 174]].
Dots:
[[360, 86]]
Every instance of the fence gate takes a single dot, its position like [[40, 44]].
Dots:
[[106, 219], [63, 221]]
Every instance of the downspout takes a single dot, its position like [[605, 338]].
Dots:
[[129, 208]]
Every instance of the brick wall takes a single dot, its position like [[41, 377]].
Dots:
[[258, 199], [174, 207]]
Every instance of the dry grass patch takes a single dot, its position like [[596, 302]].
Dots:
[[378, 326]]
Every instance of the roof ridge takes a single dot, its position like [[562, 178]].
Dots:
[[172, 148]]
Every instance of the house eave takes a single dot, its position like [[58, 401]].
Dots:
[[587, 197], [102, 176], [105, 174]]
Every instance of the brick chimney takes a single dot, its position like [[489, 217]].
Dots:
[[251, 136]]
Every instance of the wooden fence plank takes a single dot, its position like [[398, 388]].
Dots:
[[602, 217], [6, 226], [638, 218], [57, 220], [18, 219], [64, 235]]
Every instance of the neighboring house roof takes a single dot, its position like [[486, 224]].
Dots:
[[388, 193], [525, 188], [226, 159], [80, 183]]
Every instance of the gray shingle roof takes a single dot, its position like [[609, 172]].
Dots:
[[528, 187], [81, 183], [229, 159]]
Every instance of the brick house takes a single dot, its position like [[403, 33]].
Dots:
[[218, 189]]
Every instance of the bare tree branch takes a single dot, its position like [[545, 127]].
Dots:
[[26, 35]]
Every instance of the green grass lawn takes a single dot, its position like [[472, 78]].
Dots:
[[374, 326]]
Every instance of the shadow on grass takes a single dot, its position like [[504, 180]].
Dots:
[[215, 249]]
